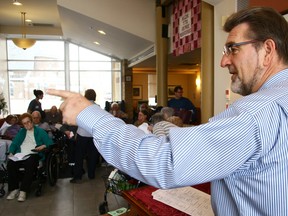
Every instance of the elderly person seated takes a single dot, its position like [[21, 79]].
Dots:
[[167, 112], [30, 137], [117, 112], [53, 116], [10, 128], [160, 127], [176, 120], [37, 121]]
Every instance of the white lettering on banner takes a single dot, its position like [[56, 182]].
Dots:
[[185, 24]]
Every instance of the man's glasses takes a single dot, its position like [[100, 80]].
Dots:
[[228, 48]]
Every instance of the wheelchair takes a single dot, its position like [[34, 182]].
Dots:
[[3, 179], [45, 169], [55, 158], [39, 176]]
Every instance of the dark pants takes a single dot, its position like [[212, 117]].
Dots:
[[85, 148], [15, 176], [71, 150]]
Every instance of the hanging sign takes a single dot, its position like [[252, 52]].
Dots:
[[185, 24]]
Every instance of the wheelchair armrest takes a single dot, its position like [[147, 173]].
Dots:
[[43, 150]]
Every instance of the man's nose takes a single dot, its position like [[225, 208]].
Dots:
[[225, 61]]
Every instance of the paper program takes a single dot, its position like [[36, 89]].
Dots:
[[186, 199]]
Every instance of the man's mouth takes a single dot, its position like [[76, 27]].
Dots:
[[233, 76]]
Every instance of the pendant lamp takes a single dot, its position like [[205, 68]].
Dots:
[[23, 42]]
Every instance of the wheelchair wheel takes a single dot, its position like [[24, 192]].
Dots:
[[52, 168]]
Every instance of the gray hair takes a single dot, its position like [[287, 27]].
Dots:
[[157, 117], [167, 112]]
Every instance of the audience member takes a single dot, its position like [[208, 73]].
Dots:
[[143, 121], [176, 120], [53, 116], [160, 126], [37, 121], [182, 106], [13, 128], [35, 104], [29, 137], [179, 102], [167, 112], [117, 112], [85, 148], [144, 106]]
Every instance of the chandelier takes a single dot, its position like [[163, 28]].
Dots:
[[23, 42]]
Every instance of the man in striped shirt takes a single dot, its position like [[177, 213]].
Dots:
[[242, 151]]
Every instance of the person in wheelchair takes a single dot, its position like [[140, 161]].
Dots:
[[37, 121], [28, 138]]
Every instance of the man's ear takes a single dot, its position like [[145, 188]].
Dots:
[[270, 50]]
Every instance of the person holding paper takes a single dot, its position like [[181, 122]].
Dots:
[[242, 151], [28, 138]]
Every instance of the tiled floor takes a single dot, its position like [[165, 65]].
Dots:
[[65, 199]]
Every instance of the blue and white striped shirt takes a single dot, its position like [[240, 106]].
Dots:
[[243, 151]]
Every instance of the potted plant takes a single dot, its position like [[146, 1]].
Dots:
[[3, 105]]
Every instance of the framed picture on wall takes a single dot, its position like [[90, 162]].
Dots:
[[137, 92], [171, 91]]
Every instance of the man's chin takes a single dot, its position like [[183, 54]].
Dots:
[[236, 87]]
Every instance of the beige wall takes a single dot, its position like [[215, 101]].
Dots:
[[187, 81], [222, 77]]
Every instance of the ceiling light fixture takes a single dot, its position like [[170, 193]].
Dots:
[[23, 42], [102, 32], [96, 42], [15, 2]]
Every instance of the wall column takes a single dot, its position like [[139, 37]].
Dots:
[[207, 59], [127, 89], [161, 53]]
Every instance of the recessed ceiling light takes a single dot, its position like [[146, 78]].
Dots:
[[96, 42], [101, 32], [15, 2]]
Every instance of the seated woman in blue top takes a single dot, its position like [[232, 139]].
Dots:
[[28, 138]]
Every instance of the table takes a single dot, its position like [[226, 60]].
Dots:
[[142, 203]]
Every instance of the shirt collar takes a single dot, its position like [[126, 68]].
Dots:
[[275, 79]]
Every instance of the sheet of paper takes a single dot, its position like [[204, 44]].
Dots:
[[19, 157], [186, 199]]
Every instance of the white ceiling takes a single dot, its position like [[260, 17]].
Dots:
[[129, 24]]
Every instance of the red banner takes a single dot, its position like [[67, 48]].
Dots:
[[186, 26]]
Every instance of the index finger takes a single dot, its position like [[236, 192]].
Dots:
[[60, 93]]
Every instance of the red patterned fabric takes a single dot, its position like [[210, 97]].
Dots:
[[144, 196], [193, 40]]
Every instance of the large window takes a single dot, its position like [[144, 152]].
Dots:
[[47, 65]]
